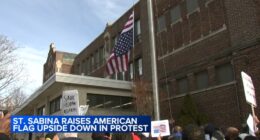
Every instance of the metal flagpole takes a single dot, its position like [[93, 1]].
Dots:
[[154, 62], [133, 49]]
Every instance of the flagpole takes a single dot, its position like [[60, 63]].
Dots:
[[154, 62], [133, 49]]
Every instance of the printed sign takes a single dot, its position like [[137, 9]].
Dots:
[[248, 89], [251, 126], [160, 128], [70, 102], [83, 109]]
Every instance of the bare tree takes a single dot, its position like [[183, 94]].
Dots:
[[15, 99], [10, 69], [143, 98]]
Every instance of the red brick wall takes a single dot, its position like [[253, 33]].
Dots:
[[237, 27], [221, 31]]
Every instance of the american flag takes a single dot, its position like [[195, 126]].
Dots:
[[118, 60]]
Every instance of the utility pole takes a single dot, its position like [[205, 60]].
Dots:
[[154, 61]]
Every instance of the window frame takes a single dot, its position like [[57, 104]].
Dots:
[[178, 8], [41, 110], [131, 71], [161, 19], [102, 101], [222, 68], [189, 12], [137, 30], [101, 55], [54, 103], [140, 66], [199, 76], [179, 80]]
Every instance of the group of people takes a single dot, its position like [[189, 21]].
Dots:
[[189, 132], [54, 136], [209, 132]]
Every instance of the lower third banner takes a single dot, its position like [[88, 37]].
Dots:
[[25, 124]]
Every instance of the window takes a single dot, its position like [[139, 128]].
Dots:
[[106, 47], [41, 110], [78, 68], [96, 59], [95, 101], [175, 14], [183, 85], [55, 105], [165, 88], [192, 5], [120, 76], [109, 101], [202, 80], [83, 67], [137, 30], [131, 74], [114, 42], [161, 23], [224, 74], [92, 63], [101, 55], [136, 68], [87, 66], [140, 66], [113, 76]]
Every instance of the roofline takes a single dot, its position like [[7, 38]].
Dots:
[[77, 80], [92, 81]]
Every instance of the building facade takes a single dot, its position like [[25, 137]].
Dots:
[[202, 47]]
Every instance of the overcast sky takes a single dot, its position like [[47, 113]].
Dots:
[[70, 24]]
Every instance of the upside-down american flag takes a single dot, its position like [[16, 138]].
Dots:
[[118, 60]]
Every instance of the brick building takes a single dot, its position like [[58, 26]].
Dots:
[[57, 61], [202, 46]]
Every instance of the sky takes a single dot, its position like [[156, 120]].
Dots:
[[70, 24]]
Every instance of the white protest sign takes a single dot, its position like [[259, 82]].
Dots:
[[146, 134], [83, 109], [248, 89], [251, 126], [70, 135], [160, 127], [70, 102]]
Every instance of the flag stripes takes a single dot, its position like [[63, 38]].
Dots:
[[118, 60]]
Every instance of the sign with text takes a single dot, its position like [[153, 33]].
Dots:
[[248, 89], [70, 102], [250, 124], [160, 127], [83, 109]]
